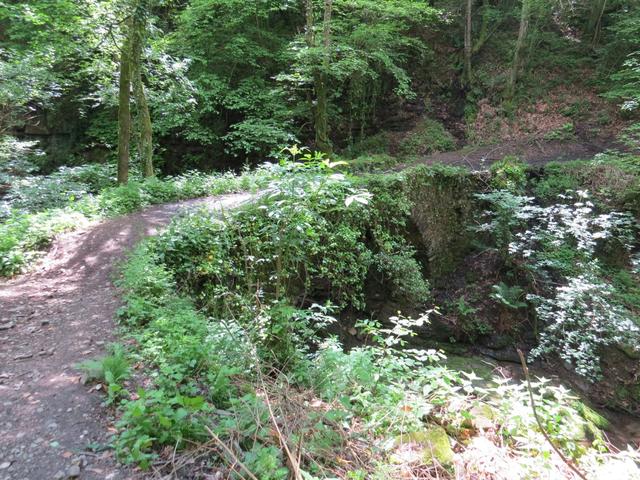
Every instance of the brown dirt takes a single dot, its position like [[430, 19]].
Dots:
[[535, 153], [61, 314]]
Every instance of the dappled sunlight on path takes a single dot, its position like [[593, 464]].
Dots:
[[52, 318]]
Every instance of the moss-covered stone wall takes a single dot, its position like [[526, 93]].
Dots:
[[444, 207]]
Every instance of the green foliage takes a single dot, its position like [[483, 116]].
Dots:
[[613, 179], [509, 174], [112, 370], [158, 418], [23, 235], [509, 296], [630, 137], [258, 357], [429, 137], [372, 48], [403, 274], [373, 145], [626, 83], [17, 159], [309, 234], [471, 324], [558, 178], [503, 221], [234, 57], [373, 163], [66, 185], [559, 245], [566, 132]]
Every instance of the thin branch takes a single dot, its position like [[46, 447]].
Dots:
[[568, 462], [230, 452]]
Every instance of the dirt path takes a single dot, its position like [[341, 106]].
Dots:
[[51, 319], [535, 153]]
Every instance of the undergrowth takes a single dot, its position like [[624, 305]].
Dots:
[[233, 317], [42, 207]]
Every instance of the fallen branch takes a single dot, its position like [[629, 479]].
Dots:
[[230, 452], [568, 462]]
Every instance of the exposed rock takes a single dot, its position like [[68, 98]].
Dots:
[[484, 417], [73, 472]]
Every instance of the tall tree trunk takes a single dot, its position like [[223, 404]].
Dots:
[[525, 15], [310, 20], [466, 74], [124, 111], [595, 21], [145, 134], [319, 104], [322, 114]]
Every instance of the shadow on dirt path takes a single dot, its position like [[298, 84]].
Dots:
[[52, 318]]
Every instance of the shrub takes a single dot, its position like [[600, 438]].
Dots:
[[429, 137], [574, 300], [509, 174], [310, 234], [372, 163], [259, 370], [566, 132], [23, 234]]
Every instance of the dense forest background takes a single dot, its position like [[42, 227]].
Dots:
[[368, 220], [231, 82]]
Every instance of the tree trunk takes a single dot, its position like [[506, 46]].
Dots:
[[525, 15], [322, 115], [466, 74], [595, 21], [484, 34], [319, 106], [124, 112], [145, 134], [310, 19]]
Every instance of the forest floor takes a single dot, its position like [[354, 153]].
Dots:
[[51, 319]]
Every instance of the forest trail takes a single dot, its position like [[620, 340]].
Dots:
[[53, 318], [534, 153]]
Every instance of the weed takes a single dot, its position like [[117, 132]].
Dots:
[[566, 132], [509, 174]]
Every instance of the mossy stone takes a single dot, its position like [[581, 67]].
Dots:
[[435, 443], [631, 351], [444, 206], [484, 416]]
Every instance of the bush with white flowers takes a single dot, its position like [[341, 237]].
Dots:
[[573, 300]]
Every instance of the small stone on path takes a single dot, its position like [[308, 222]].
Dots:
[[24, 356], [73, 472]]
